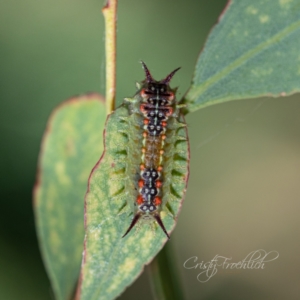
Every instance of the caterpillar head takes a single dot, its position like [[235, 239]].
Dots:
[[152, 87]]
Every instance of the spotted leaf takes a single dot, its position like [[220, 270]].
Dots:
[[71, 146], [253, 51]]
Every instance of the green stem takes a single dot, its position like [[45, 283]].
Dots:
[[110, 15], [163, 275]]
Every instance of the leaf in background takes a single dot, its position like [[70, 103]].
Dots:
[[71, 146], [253, 51], [110, 262]]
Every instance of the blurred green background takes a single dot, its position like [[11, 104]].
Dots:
[[245, 169]]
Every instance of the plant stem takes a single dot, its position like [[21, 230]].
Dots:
[[164, 279], [110, 15]]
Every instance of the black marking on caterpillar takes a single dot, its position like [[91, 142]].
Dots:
[[152, 130]]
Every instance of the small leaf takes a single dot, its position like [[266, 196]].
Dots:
[[253, 51], [71, 146], [110, 262]]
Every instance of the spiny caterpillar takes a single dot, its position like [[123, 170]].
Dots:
[[154, 123]]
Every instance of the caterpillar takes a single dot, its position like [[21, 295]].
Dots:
[[154, 123]]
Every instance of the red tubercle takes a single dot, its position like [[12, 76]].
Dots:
[[170, 96], [157, 201], [142, 108], [170, 111], [158, 184], [141, 183], [139, 200], [144, 94]]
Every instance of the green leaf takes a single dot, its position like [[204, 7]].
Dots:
[[110, 262], [253, 51], [71, 146]]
